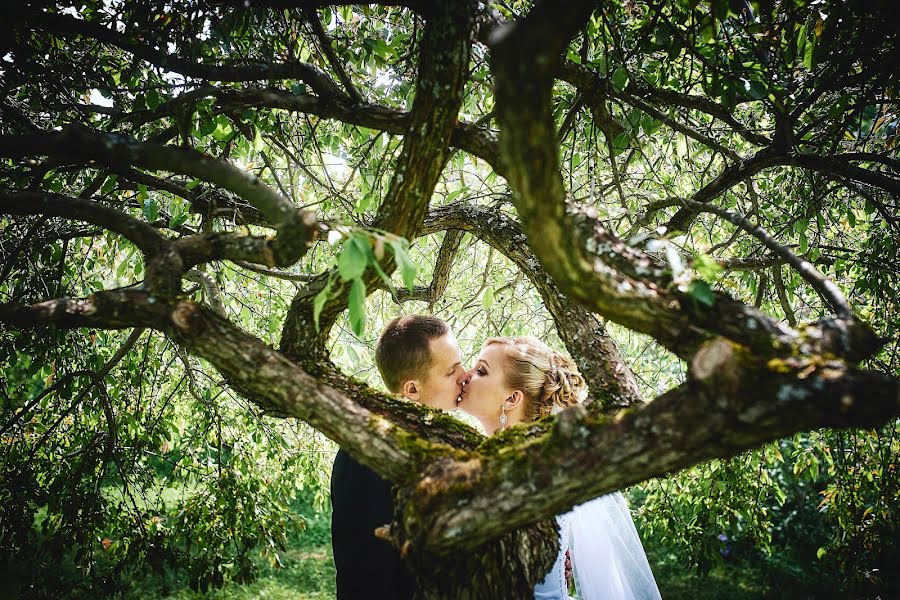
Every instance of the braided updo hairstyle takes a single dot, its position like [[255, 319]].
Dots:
[[546, 377]]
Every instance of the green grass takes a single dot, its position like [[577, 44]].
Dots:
[[308, 574]]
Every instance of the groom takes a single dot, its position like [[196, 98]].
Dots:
[[418, 358]]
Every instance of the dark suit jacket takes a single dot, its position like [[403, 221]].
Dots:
[[367, 567]]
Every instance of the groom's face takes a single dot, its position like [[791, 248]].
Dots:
[[442, 384]]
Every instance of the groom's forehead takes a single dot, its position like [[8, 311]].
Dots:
[[444, 348]]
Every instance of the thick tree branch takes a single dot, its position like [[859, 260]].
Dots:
[[730, 176], [204, 200], [66, 26], [296, 229], [731, 403], [249, 366], [211, 291], [166, 259], [145, 237], [473, 138], [443, 69], [589, 264]]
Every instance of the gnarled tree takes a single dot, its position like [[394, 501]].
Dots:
[[600, 135]]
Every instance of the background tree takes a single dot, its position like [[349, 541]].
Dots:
[[646, 164]]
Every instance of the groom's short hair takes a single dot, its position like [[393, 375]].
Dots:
[[402, 352]]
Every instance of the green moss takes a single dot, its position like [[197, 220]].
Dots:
[[509, 439]]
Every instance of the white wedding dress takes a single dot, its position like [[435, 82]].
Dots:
[[607, 556]]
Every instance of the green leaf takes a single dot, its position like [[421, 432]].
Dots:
[[383, 275], [109, 185], [801, 40], [353, 258], [488, 298], [820, 552], [407, 268], [150, 208], [780, 496], [319, 301], [706, 267], [223, 129], [178, 218], [808, 58], [258, 142], [620, 79], [456, 193], [364, 202], [702, 293], [206, 126], [357, 306], [680, 145]]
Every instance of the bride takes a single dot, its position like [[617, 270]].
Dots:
[[518, 380]]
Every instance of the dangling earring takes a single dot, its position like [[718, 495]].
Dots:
[[503, 417]]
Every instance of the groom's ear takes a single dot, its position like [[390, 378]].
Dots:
[[410, 390]]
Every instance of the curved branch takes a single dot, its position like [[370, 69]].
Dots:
[[325, 42], [296, 228], [287, 276], [591, 82], [204, 200], [472, 138], [443, 70], [824, 286], [731, 403], [730, 176], [145, 237], [66, 26], [441, 275], [249, 366], [782, 295]]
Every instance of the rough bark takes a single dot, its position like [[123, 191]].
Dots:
[[588, 263], [443, 66], [471, 513], [731, 402]]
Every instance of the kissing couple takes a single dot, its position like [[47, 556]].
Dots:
[[514, 380]]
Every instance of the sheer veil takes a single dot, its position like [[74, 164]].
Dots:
[[607, 555]]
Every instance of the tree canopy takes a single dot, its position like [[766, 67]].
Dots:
[[704, 191]]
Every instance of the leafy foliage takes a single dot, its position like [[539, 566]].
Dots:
[[148, 462]]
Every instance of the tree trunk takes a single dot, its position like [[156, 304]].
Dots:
[[506, 567]]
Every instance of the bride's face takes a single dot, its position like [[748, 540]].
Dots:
[[487, 388]]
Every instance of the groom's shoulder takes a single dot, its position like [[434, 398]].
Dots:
[[347, 469]]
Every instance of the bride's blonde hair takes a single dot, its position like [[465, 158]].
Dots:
[[546, 377]]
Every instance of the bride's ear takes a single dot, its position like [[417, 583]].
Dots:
[[515, 399]]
